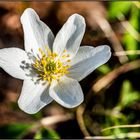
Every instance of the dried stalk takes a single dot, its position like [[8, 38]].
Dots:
[[129, 52], [110, 77], [79, 116], [102, 83], [129, 28], [55, 119], [110, 34], [48, 121], [121, 126], [118, 136]]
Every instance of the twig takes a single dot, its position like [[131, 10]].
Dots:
[[79, 115], [120, 136], [100, 84], [129, 52], [121, 126], [110, 34], [129, 28], [55, 119], [137, 4], [107, 79], [47, 121]]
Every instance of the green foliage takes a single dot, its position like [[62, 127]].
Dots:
[[115, 117], [44, 133], [128, 95], [134, 19], [19, 130], [37, 115], [121, 9], [13, 131], [129, 41], [104, 69], [116, 9]]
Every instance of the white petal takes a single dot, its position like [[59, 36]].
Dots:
[[33, 97], [87, 60], [11, 61], [70, 35], [67, 92], [36, 33]]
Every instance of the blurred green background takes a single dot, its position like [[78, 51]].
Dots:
[[112, 92]]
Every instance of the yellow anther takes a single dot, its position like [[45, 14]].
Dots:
[[48, 50], [68, 55], [48, 67], [40, 50]]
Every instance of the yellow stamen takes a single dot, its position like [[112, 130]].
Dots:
[[48, 67]]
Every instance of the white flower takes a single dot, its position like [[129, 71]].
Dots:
[[51, 67]]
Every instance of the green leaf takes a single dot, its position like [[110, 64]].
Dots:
[[134, 19], [128, 96], [37, 115], [13, 131], [130, 44], [128, 40], [104, 69], [46, 134], [116, 9]]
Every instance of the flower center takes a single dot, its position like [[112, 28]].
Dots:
[[50, 67]]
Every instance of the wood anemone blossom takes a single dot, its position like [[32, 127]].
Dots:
[[51, 67]]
